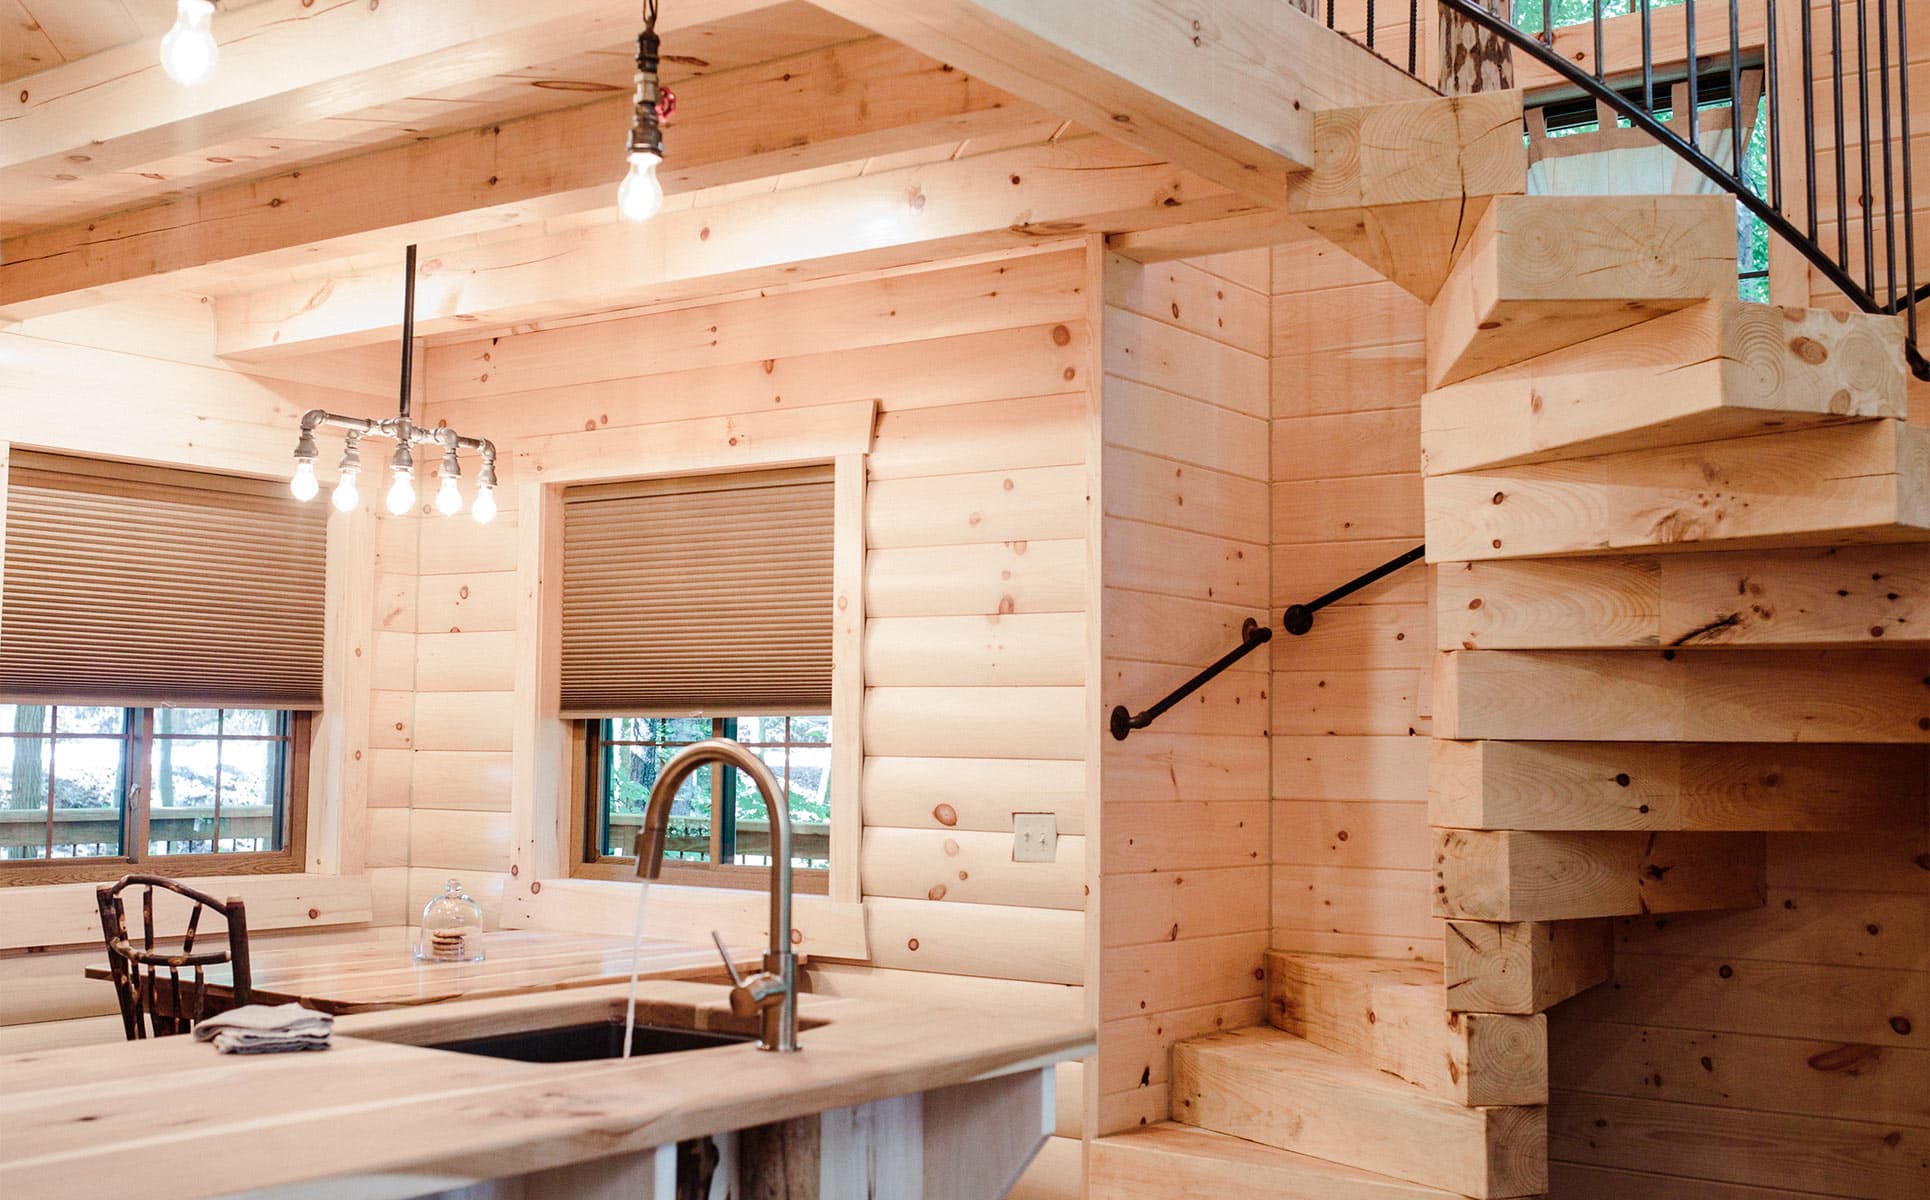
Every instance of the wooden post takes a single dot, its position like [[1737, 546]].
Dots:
[[1472, 59]]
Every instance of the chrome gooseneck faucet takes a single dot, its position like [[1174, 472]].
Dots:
[[772, 992]]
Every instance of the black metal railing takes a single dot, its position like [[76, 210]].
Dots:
[[1862, 42], [1298, 619]]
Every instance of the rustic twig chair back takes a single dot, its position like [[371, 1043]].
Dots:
[[169, 1005]]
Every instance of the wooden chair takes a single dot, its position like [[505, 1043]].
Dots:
[[169, 1007]]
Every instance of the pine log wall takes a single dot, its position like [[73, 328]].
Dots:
[[1183, 897], [1350, 830]]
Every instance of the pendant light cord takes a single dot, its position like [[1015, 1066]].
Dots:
[[408, 330]]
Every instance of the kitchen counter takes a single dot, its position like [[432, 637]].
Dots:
[[380, 1115]]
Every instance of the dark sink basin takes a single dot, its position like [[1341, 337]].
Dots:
[[587, 1043]]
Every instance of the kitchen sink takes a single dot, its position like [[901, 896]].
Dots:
[[590, 1042]]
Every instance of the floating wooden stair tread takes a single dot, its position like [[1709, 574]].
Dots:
[[1270, 1087], [1715, 370], [1520, 875], [1523, 967], [1393, 1017], [1833, 596], [1674, 786], [1859, 483], [1171, 1161], [1701, 695], [1544, 272]]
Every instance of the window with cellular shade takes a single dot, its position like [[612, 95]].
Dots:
[[143, 586], [700, 596]]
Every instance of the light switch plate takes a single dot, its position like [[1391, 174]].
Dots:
[[1035, 837]]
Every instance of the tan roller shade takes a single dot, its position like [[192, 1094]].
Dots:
[[142, 586], [708, 596]]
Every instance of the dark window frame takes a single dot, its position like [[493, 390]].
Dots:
[[593, 745], [294, 735]]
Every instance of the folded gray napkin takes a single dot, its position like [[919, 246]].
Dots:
[[266, 1029]]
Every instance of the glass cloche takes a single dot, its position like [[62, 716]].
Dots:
[[452, 926]]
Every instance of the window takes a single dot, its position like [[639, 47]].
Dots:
[[687, 612], [88, 790], [718, 819]]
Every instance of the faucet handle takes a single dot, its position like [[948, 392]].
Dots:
[[730, 967]]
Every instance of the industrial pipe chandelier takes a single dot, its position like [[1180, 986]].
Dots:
[[406, 434]]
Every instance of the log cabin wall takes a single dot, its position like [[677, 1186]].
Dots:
[[1183, 893], [1349, 789], [139, 382]]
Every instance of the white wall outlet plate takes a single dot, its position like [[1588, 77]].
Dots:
[[1035, 837]]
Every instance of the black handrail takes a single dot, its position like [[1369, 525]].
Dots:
[[1299, 617], [1253, 635], [1820, 57], [1865, 293]]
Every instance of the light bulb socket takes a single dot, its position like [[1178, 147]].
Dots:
[[305, 447], [451, 468], [652, 101], [403, 462], [351, 463], [486, 476]]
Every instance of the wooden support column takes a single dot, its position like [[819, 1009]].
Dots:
[[1524, 967], [1509, 875]]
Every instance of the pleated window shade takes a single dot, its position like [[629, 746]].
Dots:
[[137, 586], [698, 597]]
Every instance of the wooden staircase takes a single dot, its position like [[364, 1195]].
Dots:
[[1681, 568]]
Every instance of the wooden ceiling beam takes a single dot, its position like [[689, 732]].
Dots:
[[1227, 89], [784, 238], [286, 62], [827, 106]]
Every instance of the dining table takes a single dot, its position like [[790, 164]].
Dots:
[[371, 976]]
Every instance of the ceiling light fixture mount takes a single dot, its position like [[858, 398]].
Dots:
[[406, 434], [640, 196]]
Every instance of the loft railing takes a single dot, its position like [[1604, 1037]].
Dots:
[[1850, 68]]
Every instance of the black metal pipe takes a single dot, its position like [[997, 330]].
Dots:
[[1414, 33], [1774, 78], [1298, 618], [1253, 635], [1889, 163], [408, 334], [1695, 72], [1370, 24], [1917, 363], [1735, 84], [1600, 70], [1648, 60], [1842, 149], [1863, 144]]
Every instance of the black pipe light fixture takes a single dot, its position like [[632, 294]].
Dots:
[[406, 434], [640, 196]]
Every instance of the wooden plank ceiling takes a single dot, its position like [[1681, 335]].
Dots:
[[39, 35]]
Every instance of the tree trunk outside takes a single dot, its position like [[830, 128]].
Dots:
[[29, 776], [1472, 59]]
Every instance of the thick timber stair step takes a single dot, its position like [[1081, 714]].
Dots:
[[1676, 786], [1393, 1016], [1520, 875], [1711, 694], [1402, 187], [1845, 484], [1544, 272], [1830, 596], [1525, 966], [1271, 1087], [1715, 370], [1171, 1161]]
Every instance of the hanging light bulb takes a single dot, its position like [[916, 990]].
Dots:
[[188, 52], [484, 509], [640, 196], [346, 497], [303, 485], [401, 497], [448, 496]]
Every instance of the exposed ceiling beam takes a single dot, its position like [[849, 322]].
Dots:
[[1224, 88], [912, 214], [286, 62], [828, 106]]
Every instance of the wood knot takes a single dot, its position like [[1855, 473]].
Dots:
[[1809, 350]]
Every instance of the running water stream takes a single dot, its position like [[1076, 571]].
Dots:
[[636, 964]]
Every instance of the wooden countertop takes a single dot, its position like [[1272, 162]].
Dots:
[[365, 977], [379, 1118]]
